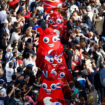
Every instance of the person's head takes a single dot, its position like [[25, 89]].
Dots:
[[90, 34], [96, 47], [35, 20], [17, 30], [17, 25], [5, 22], [88, 8], [10, 65], [15, 42], [15, 54], [27, 78], [82, 100], [3, 6], [29, 67], [91, 100], [5, 36], [1, 82], [13, 77], [19, 69], [72, 2], [9, 48], [79, 74]]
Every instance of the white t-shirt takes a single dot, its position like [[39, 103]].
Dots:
[[3, 90], [8, 55], [3, 16], [90, 14], [31, 61], [9, 73], [73, 8], [13, 20], [15, 36]]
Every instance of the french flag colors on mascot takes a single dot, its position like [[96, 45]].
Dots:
[[54, 60], [51, 92], [57, 22], [52, 4], [48, 41]]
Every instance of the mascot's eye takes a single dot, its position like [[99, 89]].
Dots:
[[54, 72], [62, 74], [51, 21], [44, 86], [58, 21], [51, 60], [59, 60], [45, 39], [53, 86], [55, 39]]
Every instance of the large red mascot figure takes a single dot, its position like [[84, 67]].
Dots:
[[48, 41], [51, 92], [53, 4]]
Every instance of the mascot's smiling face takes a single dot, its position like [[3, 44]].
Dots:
[[51, 88], [56, 21], [53, 60]]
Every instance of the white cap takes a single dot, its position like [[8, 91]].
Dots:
[[89, 8]]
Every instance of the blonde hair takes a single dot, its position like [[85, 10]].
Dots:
[[91, 100]]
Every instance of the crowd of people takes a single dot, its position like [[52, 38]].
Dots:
[[84, 47]]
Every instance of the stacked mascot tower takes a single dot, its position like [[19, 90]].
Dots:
[[51, 59]]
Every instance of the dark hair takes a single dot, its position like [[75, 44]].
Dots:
[[14, 77], [19, 69], [14, 53], [3, 6], [10, 64]]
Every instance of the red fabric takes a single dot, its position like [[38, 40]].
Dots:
[[51, 5], [20, 62], [13, 3], [56, 95], [64, 80], [62, 69], [46, 48], [27, 16], [55, 17]]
